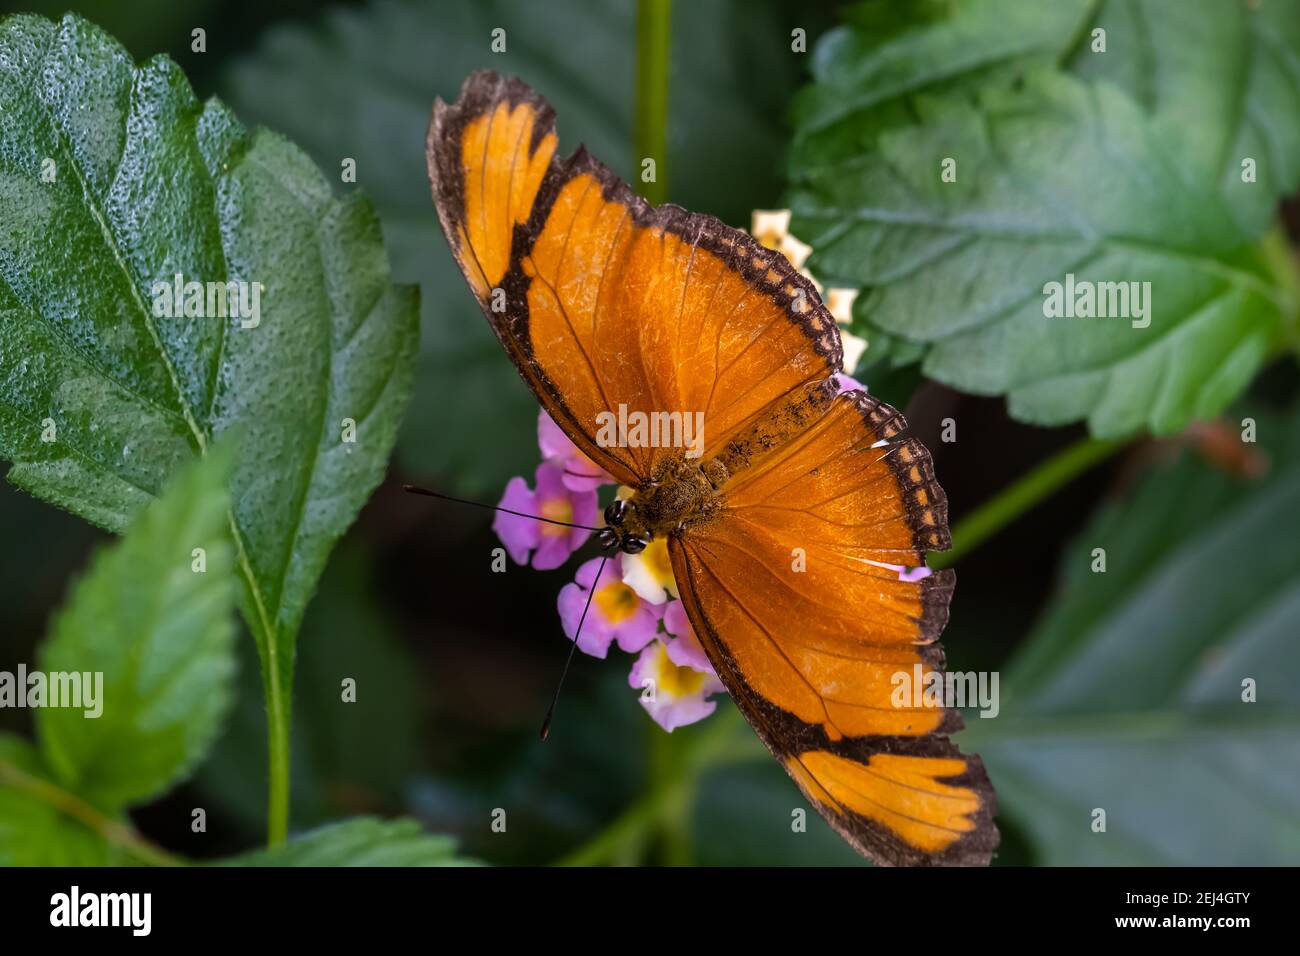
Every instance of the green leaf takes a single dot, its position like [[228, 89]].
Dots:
[[1221, 78], [865, 72], [1131, 173], [764, 834], [361, 841], [1128, 695], [1055, 178], [159, 634], [148, 183], [361, 85], [33, 833]]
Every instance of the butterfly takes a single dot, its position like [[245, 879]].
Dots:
[[788, 528]]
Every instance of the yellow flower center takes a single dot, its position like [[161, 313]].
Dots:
[[557, 509], [650, 573], [673, 680], [656, 556], [617, 602]]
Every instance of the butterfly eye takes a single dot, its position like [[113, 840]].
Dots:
[[607, 538], [634, 546], [615, 512]]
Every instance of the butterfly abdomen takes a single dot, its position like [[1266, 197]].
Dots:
[[778, 426], [689, 491]]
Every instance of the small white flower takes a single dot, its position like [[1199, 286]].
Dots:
[[770, 226], [650, 573], [840, 304], [854, 346], [794, 250]]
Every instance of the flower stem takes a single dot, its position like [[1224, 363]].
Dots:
[[1014, 500], [653, 38], [114, 831], [627, 829], [277, 812], [671, 773], [665, 807]]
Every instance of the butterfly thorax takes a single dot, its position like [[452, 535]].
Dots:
[[683, 493], [688, 492]]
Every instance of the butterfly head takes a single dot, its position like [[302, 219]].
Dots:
[[623, 530]]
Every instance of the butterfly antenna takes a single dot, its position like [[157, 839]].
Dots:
[[478, 504], [550, 711]]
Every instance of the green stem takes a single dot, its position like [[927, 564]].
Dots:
[[669, 797], [114, 831], [1284, 267], [1014, 500], [628, 828], [277, 681], [653, 38], [671, 774], [277, 810]]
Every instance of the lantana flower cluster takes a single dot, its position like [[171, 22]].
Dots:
[[632, 603]]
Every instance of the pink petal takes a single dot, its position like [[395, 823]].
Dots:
[[552, 553], [580, 473], [596, 635], [555, 543], [519, 535], [551, 438], [847, 383], [684, 649], [679, 713], [550, 481], [586, 576], [638, 630], [667, 711]]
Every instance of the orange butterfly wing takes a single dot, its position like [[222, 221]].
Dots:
[[787, 592], [602, 301]]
